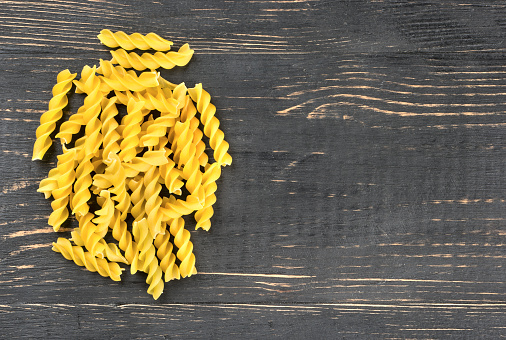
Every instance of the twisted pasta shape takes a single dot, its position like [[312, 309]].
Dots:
[[211, 124], [144, 163], [89, 236], [188, 114], [162, 101], [153, 200], [167, 258], [136, 185], [87, 83], [203, 216], [86, 259], [185, 155], [170, 176], [127, 163], [93, 107], [134, 41], [185, 252], [49, 118], [111, 137], [110, 250], [82, 187], [126, 243], [47, 185], [71, 126], [152, 61], [127, 81], [85, 236], [61, 195], [117, 177], [147, 254], [105, 215], [157, 130], [175, 208], [132, 122]]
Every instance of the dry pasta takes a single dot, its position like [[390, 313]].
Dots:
[[147, 168]]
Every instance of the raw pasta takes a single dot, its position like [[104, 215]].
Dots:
[[49, 118], [149, 167]]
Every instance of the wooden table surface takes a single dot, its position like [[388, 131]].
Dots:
[[366, 199]]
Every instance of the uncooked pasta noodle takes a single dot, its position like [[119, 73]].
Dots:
[[135, 175]]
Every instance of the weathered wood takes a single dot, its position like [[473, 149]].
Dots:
[[367, 194]]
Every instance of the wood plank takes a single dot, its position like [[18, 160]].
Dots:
[[254, 321]]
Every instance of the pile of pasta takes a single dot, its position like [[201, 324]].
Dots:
[[135, 175]]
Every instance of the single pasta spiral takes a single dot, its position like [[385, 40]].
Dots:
[[132, 122], [136, 185], [49, 118], [185, 252], [105, 214], [126, 243], [111, 137], [86, 259], [147, 254], [109, 250], [128, 81], [134, 41], [175, 208], [203, 216], [211, 124], [152, 61], [153, 201], [166, 256], [82, 187], [61, 195]]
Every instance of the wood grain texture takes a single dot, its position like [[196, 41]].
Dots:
[[367, 195]]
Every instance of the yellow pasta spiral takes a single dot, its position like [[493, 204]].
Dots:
[[142, 164], [153, 200], [132, 122], [171, 176], [111, 137], [175, 208], [105, 214], [185, 154], [166, 256], [127, 81], [101, 248], [188, 114], [89, 236], [152, 61], [61, 195], [211, 124], [161, 101], [156, 130], [93, 106], [82, 186], [126, 243], [147, 254], [71, 126], [185, 252], [86, 259], [203, 216], [49, 118], [47, 185], [134, 41], [136, 185]]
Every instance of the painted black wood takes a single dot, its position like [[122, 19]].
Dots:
[[367, 194]]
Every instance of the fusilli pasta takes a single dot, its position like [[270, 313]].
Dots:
[[150, 164]]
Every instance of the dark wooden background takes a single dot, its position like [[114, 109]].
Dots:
[[367, 194]]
